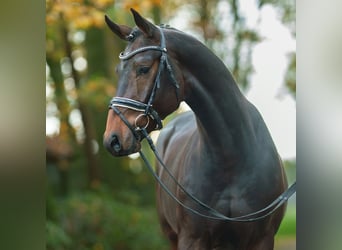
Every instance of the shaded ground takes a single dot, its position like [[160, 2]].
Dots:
[[285, 243]]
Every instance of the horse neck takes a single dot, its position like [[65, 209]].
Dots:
[[222, 111]]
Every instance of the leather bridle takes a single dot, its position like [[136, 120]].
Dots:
[[148, 112], [146, 108]]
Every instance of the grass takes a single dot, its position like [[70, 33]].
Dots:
[[288, 225], [286, 237]]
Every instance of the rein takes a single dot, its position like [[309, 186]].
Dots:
[[272, 207], [149, 112]]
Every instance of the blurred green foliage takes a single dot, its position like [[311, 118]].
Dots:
[[98, 220]]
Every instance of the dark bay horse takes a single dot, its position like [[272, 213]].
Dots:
[[221, 152]]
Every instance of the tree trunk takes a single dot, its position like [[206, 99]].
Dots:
[[66, 131], [93, 165]]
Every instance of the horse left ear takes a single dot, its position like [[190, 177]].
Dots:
[[121, 31], [144, 25]]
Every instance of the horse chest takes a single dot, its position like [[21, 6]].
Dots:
[[216, 187]]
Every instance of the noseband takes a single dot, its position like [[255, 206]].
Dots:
[[146, 108]]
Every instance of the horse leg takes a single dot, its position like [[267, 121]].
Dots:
[[169, 233], [172, 236], [267, 243], [186, 243]]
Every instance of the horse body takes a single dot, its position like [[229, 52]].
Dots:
[[220, 182], [222, 152]]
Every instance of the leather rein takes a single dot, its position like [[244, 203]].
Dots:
[[149, 113]]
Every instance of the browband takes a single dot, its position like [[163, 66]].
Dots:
[[126, 56]]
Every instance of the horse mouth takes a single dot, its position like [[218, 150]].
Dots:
[[118, 148], [118, 152]]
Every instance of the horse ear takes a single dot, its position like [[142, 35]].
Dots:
[[121, 31], [144, 25]]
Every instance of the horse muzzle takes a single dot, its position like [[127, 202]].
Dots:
[[118, 139], [117, 146], [127, 119]]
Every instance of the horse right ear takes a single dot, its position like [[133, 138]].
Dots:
[[121, 31], [144, 25]]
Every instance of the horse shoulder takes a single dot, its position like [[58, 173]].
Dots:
[[176, 133], [171, 145]]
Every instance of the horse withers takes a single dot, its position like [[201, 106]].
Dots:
[[221, 160]]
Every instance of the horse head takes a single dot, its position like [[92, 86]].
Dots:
[[149, 86]]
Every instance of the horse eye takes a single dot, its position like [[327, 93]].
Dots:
[[143, 70]]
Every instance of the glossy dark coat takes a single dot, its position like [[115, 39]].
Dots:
[[221, 152]]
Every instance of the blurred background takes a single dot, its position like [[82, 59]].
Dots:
[[96, 201]]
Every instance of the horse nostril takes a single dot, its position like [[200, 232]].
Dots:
[[115, 144]]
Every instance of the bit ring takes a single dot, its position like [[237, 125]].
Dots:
[[137, 119]]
